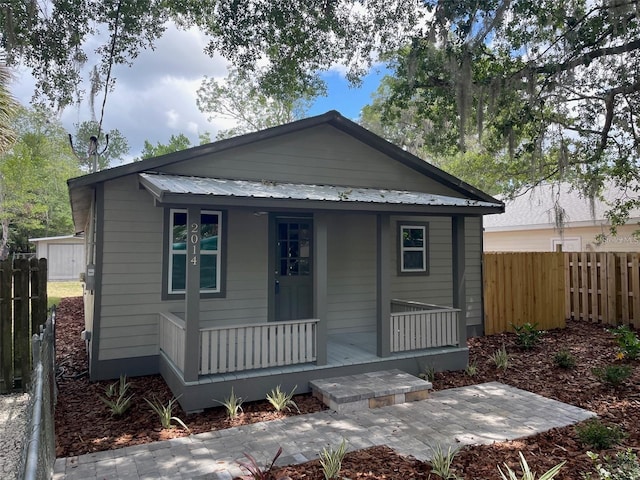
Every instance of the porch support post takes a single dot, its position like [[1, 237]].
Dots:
[[192, 297], [383, 285], [459, 279], [320, 260]]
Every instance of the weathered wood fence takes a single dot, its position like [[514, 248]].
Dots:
[[521, 287], [23, 308], [603, 287], [547, 288]]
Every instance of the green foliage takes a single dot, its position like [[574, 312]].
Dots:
[[624, 466], [564, 359], [238, 98], [282, 400], [471, 370], [597, 435], [8, 110], [441, 462], [116, 149], [627, 341], [117, 396], [527, 335], [176, 143], [527, 474], [34, 200], [428, 373], [614, 375], [165, 412], [501, 358], [257, 472], [331, 460], [232, 404]]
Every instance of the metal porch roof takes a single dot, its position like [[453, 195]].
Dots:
[[160, 185]]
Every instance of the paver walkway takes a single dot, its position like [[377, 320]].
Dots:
[[477, 414]]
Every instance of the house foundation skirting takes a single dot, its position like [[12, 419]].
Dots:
[[209, 390]]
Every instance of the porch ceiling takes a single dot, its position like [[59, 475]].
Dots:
[[168, 188]]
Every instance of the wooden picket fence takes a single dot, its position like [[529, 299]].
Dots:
[[603, 287], [23, 308], [523, 287]]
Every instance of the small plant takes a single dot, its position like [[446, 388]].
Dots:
[[165, 412], [282, 400], [256, 471], [471, 370], [527, 474], [429, 373], [233, 405], [116, 396], [527, 335], [564, 359], [597, 435], [501, 358], [331, 460], [613, 375], [627, 341], [441, 462], [624, 466]]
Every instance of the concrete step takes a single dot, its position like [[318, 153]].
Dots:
[[370, 390]]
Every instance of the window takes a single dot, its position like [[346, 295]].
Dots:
[[210, 251], [412, 251]]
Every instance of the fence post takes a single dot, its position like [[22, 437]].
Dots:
[[6, 325], [21, 321], [38, 270]]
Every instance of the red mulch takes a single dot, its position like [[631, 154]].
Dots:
[[84, 424]]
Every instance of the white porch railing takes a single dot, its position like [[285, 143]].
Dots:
[[259, 345], [172, 338], [416, 325]]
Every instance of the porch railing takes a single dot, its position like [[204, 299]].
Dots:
[[416, 326], [259, 345], [172, 338]]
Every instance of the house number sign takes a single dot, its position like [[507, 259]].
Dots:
[[194, 239]]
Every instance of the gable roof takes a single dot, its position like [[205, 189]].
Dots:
[[80, 187], [536, 208]]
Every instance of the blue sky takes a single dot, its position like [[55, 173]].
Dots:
[[156, 97]]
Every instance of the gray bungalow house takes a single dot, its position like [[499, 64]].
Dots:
[[309, 250]]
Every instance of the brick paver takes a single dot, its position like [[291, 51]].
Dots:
[[477, 414]]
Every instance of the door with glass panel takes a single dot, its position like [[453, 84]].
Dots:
[[293, 279]]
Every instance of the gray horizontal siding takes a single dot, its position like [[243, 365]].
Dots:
[[473, 272], [437, 286], [351, 270], [321, 155]]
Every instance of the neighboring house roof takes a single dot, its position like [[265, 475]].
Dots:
[[162, 185], [80, 188], [537, 208]]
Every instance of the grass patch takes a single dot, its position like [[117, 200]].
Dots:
[[56, 291]]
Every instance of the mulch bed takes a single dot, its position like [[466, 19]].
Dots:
[[84, 423]]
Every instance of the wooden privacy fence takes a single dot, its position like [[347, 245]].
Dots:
[[603, 287], [23, 307], [521, 287]]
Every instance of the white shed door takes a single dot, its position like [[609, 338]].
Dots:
[[65, 262]]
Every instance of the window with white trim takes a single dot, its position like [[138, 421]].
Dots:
[[210, 251], [412, 252]]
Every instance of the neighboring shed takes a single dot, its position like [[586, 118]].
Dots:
[[529, 223], [65, 256], [305, 251]]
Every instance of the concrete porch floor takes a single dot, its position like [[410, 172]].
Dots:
[[477, 414]]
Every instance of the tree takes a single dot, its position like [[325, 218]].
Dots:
[[33, 191], [8, 108], [239, 98], [113, 151], [176, 143]]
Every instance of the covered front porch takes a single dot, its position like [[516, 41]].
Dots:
[[286, 353]]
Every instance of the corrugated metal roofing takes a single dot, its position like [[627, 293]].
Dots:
[[161, 184]]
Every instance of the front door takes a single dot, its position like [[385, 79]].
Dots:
[[293, 282]]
